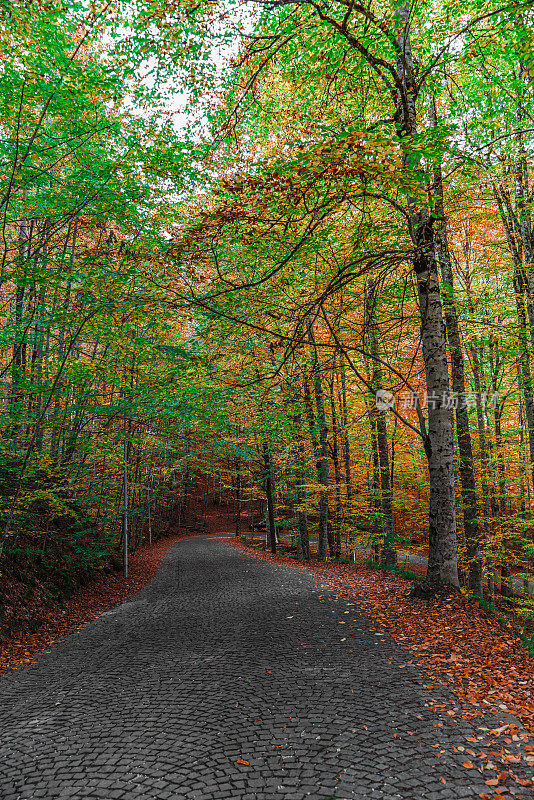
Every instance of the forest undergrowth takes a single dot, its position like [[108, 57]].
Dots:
[[36, 618]]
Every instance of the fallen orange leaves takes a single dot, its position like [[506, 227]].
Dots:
[[464, 646], [85, 604]]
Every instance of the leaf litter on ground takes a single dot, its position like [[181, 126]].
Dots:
[[460, 645]]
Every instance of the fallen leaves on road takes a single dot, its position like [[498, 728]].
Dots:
[[85, 604], [465, 647]]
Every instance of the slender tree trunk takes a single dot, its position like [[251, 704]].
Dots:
[[522, 222], [238, 499], [337, 469], [149, 511], [322, 457], [388, 552], [269, 493], [184, 493], [518, 229], [497, 418], [525, 366], [439, 441], [506, 589], [465, 447], [345, 434], [18, 369], [519, 287], [56, 413], [522, 469], [125, 532], [37, 371], [302, 516], [484, 454], [376, 490]]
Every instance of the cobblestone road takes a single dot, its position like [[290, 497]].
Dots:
[[229, 677]]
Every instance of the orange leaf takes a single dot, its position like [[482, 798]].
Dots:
[[242, 761], [467, 764]]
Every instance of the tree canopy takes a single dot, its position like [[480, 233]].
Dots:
[[281, 249]]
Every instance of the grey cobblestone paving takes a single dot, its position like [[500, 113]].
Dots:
[[223, 659]]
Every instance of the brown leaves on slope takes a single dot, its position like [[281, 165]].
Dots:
[[85, 604]]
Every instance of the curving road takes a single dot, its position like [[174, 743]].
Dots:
[[223, 659]]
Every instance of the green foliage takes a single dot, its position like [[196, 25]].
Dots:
[[160, 288], [527, 640], [396, 570]]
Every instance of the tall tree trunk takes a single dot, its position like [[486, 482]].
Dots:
[[465, 447], [482, 438], [56, 413], [322, 457], [439, 443], [522, 223], [183, 496], [18, 369], [337, 470], [439, 446], [497, 419], [303, 547], [376, 489], [345, 434], [506, 589], [522, 466], [269, 494], [517, 226], [388, 552], [238, 498], [525, 367], [515, 247], [125, 531]]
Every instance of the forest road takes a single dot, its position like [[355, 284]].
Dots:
[[230, 677]]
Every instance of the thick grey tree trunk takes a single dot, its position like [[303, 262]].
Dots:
[[439, 443]]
